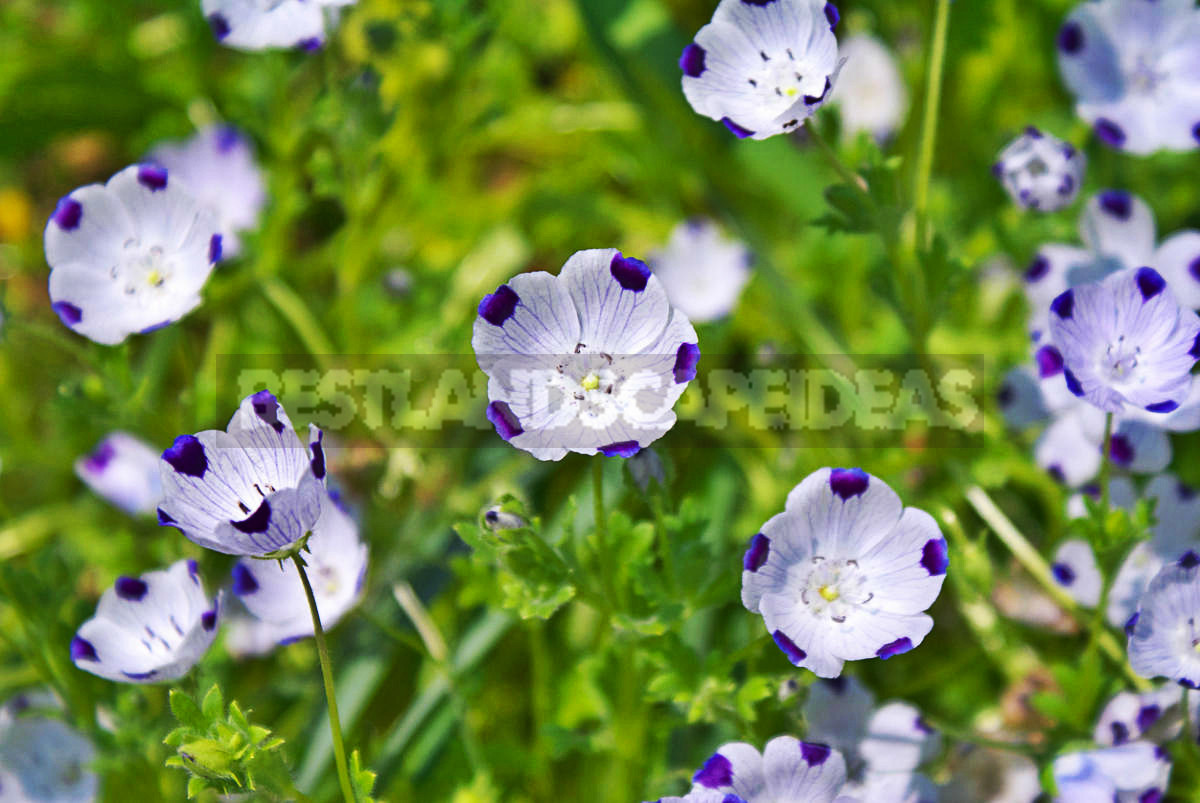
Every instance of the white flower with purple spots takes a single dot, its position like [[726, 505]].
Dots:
[[42, 759], [870, 92], [762, 67], [1135, 772], [1075, 570], [1126, 342], [266, 24], [129, 256], [217, 163], [845, 573], [1134, 68], [1039, 171], [124, 470], [254, 490], [787, 769], [1164, 633], [589, 361], [336, 563], [150, 628], [702, 271], [1129, 716]]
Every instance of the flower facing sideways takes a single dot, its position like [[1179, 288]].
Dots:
[[762, 68], [1164, 633], [845, 573], [254, 490], [149, 628], [589, 361], [124, 470], [702, 271], [129, 256], [265, 24], [787, 769], [1135, 772]]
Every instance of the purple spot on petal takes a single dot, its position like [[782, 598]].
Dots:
[[620, 449], [504, 420], [131, 588], [318, 456], [921, 726], [631, 274], [1070, 38], [1032, 132], [893, 648], [310, 45], [716, 772], [1194, 351], [692, 60], [1189, 559], [738, 131], [686, 358], [998, 169], [1072, 382], [1150, 796], [67, 312], [152, 177], [1188, 683], [814, 754], [219, 26], [214, 249], [757, 554], [82, 650], [1194, 269], [1056, 472], [793, 653], [98, 460], [154, 327], [1147, 716], [186, 456], [1131, 623], [1150, 283], [811, 99], [1163, 406], [1068, 185], [1064, 305], [193, 569], [67, 214], [1049, 361], [831, 14], [934, 557], [139, 675], [497, 307], [1121, 450], [1038, 268], [1196, 132], [848, 482], [228, 138], [1120, 733], [266, 407], [1005, 396], [244, 582], [164, 517], [1063, 573], [256, 522], [1110, 133], [208, 619], [837, 685]]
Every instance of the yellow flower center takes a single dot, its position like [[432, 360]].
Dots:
[[590, 382], [828, 593]]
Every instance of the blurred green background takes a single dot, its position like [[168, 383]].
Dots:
[[464, 141]]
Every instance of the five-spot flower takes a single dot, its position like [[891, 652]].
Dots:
[[702, 271], [787, 769], [265, 24], [124, 470], [1134, 67], [1126, 341], [870, 94], [1164, 633], [254, 490], [762, 68], [589, 361], [129, 256], [149, 628], [845, 572], [1134, 772], [1040, 171], [217, 164]]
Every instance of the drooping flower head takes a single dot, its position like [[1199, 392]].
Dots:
[[254, 490], [150, 628], [124, 470], [702, 271], [787, 769], [1164, 634], [217, 164], [1126, 341], [762, 67], [1074, 568], [589, 361], [42, 758], [272, 592], [1040, 171], [265, 24], [1135, 772], [845, 572], [1130, 716], [870, 92], [129, 256], [1134, 70]]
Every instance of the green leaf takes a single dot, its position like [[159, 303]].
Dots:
[[213, 706], [186, 711]]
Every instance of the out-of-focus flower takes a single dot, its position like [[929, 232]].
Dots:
[[1130, 716], [870, 92], [762, 68], [254, 490], [589, 361], [129, 256], [124, 470], [1040, 171], [1164, 633], [150, 628], [218, 166], [702, 271], [845, 573], [986, 775], [42, 759], [266, 24], [1075, 569], [1136, 772], [1135, 71]]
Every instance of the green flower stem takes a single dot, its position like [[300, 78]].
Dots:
[[929, 122], [603, 548], [1039, 569], [335, 723], [1106, 464]]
